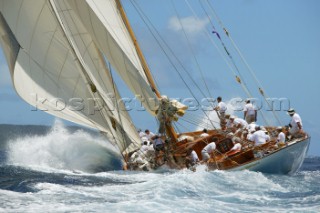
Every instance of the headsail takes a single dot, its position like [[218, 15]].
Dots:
[[56, 51], [48, 71], [93, 62], [104, 23]]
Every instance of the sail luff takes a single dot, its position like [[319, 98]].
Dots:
[[80, 63], [18, 44], [122, 139], [49, 75], [102, 20], [168, 125], [138, 49]]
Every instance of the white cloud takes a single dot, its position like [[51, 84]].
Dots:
[[190, 24]]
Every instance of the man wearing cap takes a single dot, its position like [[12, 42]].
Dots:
[[295, 124], [221, 109], [250, 113]]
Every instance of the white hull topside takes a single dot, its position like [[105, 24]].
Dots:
[[284, 161]]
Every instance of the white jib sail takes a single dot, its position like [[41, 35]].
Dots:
[[47, 74], [95, 67], [104, 23]]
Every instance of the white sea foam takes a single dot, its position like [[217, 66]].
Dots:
[[174, 191], [180, 191], [58, 189], [60, 149]]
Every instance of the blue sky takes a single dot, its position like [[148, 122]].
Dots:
[[279, 39]]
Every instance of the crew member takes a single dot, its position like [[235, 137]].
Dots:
[[204, 134], [221, 109], [259, 137], [250, 113], [207, 151], [281, 139], [191, 158], [295, 124]]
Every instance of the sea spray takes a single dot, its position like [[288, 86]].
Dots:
[[60, 149], [213, 116], [169, 191]]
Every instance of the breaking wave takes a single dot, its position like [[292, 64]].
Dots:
[[62, 149]]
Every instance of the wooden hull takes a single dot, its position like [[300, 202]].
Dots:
[[284, 161], [266, 158]]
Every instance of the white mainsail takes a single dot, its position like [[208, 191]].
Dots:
[[55, 62]]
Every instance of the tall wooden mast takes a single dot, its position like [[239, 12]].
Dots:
[[138, 49], [169, 129]]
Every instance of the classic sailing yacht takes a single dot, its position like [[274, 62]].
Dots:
[[59, 50]]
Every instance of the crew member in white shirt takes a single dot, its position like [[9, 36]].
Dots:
[[251, 127], [221, 109], [281, 139], [149, 134], [239, 123], [236, 147], [204, 134], [141, 134], [295, 124], [144, 148], [259, 137], [207, 151], [250, 113], [191, 158], [229, 124]]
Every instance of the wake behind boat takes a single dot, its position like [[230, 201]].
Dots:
[[62, 55]]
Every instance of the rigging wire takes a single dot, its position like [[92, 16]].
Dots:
[[238, 79], [203, 126], [117, 107], [259, 85], [221, 41], [193, 54], [144, 18], [187, 130], [92, 88], [153, 30], [79, 62], [191, 49]]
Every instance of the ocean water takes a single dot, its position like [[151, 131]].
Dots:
[[68, 169]]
